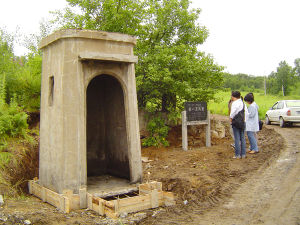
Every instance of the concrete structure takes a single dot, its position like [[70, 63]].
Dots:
[[89, 116]]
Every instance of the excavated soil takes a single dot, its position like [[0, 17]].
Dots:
[[201, 179]]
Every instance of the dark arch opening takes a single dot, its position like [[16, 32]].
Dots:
[[107, 148]]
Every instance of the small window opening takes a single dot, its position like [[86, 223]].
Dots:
[[51, 90]]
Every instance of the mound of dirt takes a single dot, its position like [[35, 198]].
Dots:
[[202, 177]]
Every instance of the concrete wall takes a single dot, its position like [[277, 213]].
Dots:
[[73, 58]]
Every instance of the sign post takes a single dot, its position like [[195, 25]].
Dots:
[[195, 114]]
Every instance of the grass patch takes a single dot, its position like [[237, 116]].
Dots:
[[4, 158]]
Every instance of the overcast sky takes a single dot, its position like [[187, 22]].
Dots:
[[246, 36]]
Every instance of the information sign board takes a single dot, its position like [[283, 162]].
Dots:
[[196, 111]]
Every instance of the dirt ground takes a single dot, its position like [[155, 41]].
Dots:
[[203, 179]]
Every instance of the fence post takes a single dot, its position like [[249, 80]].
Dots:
[[184, 131]]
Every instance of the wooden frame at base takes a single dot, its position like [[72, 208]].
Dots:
[[150, 196], [64, 202]]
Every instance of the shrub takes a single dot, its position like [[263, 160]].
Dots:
[[18, 166], [13, 121], [158, 132]]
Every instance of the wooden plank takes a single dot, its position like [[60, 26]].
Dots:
[[43, 194], [65, 207], [127, 202], [30, 186], [101, 207], [109, 204], [37, 189], [95, 207], [83, 198], [169, 198], [52, 197], [154, 198], [148, 187], [64, 202], [134, 200], [110, 213], [75, 203], [90, 201], [98, 205], [208, 138], [159, 186], [116, 204]]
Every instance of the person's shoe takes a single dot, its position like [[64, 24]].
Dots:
[[253, 152], [232, 145], [249, 150], [243, 156], [236, 157]]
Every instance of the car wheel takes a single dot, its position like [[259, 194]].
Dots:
[[268, 122], [281, 122]]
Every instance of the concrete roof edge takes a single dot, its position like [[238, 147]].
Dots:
[[89, 34]]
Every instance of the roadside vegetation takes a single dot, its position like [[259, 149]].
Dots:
[[171, 70], [19, 96]]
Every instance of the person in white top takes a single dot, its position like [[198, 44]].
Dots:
[[239, 133], [252, 123]]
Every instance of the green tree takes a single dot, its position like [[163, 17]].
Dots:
[[297, 67], [171, 69], [21, 75], [281, 81], [296, 88], [7, 59], [284, 77]]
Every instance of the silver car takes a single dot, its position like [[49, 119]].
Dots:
[[284, 112]]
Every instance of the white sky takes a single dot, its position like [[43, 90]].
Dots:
[[246, 36]]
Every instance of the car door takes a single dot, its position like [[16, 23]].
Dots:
[[272, 112], [279, 111]]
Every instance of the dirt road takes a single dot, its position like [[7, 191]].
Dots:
[[270, 196]]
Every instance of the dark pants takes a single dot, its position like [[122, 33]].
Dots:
[[239, 141]]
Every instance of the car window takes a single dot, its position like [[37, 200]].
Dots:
[[275, 105], [280, 105], [292, 104]]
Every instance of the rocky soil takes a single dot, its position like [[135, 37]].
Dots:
[[210, 186]]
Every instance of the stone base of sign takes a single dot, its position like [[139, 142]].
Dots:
[[185, 123]]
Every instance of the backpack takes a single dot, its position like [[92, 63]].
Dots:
[[238, 120], [260, 123]]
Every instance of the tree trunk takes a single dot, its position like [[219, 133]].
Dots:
[[168, 101], [164, 103]]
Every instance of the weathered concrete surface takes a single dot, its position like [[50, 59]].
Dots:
[[82, 128]]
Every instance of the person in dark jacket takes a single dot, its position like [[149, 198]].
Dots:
[[239, 134]]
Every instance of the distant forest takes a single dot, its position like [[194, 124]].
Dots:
[[284, 81], [244, 82]]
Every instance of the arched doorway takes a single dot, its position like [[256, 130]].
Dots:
[[107, 146]]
